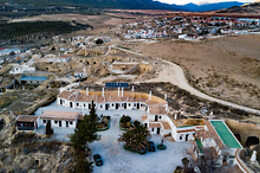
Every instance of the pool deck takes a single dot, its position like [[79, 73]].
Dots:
[[225, 134]]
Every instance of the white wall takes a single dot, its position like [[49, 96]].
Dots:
[[63, 123]]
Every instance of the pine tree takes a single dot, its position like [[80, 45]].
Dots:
[[82, 165], [86, 132]]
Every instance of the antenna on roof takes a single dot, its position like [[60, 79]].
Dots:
[[133, 88], [150, 95]]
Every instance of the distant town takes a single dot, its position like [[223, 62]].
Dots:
[[130, 92]]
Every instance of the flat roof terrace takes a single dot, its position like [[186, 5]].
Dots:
[[182, 123], [33, 78], [225, 134]]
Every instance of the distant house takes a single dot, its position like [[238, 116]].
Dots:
[[20, 69], [64, 58], [50, 57], [80, 74], [27, 122], [124, 67], [33, 80]]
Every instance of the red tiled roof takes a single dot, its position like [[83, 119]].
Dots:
[[59, 115], [166, 125], [155, 125], [27, 118]]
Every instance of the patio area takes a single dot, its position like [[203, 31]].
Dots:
[[117, 159]]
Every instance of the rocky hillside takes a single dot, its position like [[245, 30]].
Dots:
[[248, 8]]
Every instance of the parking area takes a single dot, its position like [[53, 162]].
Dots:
[[117, 159]]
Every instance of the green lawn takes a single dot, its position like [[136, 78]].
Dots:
[[225, 134]]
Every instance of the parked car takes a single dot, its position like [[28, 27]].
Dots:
[[98, 159], [151, 146]]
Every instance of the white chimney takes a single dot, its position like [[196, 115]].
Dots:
[[122, 92], [103, 92], [118, 92], [133, 88], [150, 95], [175, 116], [87, 91], [165, 97]]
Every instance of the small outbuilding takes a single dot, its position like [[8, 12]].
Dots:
[[27, 122]]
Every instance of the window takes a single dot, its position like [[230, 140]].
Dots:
[[77, 104], [84, 105], [56, 122], [44, 121], [160, 117], [113, 104], [180, 137], [152, 129], [129, 104], [101, 106], [71, 123], [135, 105]]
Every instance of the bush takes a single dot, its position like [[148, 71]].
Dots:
[[125, 121]]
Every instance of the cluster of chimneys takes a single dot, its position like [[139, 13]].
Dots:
[[122, 92]]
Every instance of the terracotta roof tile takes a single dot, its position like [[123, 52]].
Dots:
[[166, 125], [155, 125], [27, 118], [59, 115], [158, 110]]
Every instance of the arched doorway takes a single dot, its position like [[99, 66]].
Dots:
[[237, 135], [252, 140]]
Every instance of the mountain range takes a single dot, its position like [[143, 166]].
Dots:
[[246, 8], [129, 4]]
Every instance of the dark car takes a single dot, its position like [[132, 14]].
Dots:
[[151, 146], [98, 160]]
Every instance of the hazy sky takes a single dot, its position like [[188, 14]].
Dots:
[[181, 2]]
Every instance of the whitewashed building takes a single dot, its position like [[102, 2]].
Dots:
[[60, 119], [20, 69]]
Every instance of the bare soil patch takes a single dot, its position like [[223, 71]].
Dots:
[[227, 68]]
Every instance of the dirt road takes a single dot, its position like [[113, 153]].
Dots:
[[174, 74]]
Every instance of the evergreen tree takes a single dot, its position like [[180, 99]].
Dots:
[[86, 132], [185, 163], [82, 165]]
